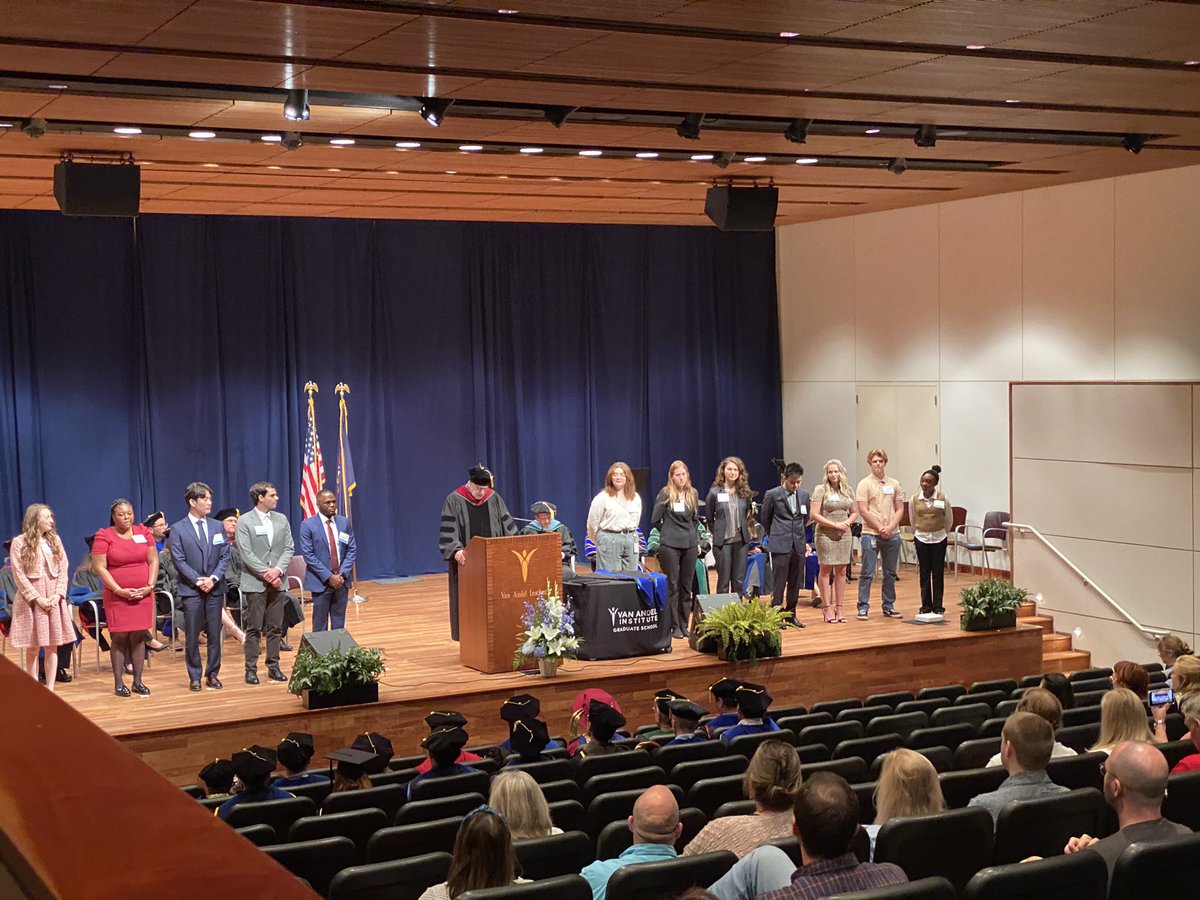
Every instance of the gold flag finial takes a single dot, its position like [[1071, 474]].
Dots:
[[310, 388], [342, 389]]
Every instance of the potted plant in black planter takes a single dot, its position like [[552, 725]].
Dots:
[[337, 678], [745, 631], [990, 604]]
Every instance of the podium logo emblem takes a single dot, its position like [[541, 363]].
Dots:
[[523, 557]]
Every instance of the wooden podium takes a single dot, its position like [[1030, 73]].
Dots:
[[501, 575]]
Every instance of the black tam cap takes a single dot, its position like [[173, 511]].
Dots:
[[377, 744], [350, 762], [541, 507], [520, 706], [663, 698], [218, 776], [725, 689], [480, 474], [444, 740], [752, 700], [603, 721], [223, 514], [295, 750], [154, 517], [254, 763], [529, 738], [687, 711], [446, 718]]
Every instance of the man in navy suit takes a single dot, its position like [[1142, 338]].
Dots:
[[784, 514], [201, 556], [327, 545]]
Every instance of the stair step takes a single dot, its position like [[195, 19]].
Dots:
[[1046, 623], [1066, 660], [1052, 643], [1029, 608]]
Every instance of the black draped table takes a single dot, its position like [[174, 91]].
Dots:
[[612, 621]]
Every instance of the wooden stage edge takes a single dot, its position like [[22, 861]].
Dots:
[[177, 732]]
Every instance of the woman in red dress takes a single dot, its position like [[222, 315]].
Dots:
[[127, 562], [41, 619]]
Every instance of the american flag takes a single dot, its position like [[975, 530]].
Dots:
[[312, 476]]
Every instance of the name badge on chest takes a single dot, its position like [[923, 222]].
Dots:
[[939, 504], [139, 539], [260, 530], [678, 506], [888, 490], [723, 497], [218, 539], [343, 538]]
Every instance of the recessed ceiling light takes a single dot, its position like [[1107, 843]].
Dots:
[[272, 138], [145, 162], [755, 159], [591, 152], [1192, 62], [58, 86], [470, 148], [976, 46], [646, 154], [531, 149], [451, 172], [806, 161], [408, 145], [342, 142], [508, 12], [789, 34], [701, 157], [127, 129], [393, 172], [333, 170], [211, 165], [1012, 101], [872, 131], [6, 124], [202, 135], [274, 167]]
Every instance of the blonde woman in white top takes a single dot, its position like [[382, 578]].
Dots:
[[613, 519]]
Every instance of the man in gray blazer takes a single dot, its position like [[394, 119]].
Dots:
[[264, 542]]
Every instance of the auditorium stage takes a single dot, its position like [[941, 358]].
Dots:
[[177, 732]]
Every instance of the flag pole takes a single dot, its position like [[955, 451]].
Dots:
[[342, 390]]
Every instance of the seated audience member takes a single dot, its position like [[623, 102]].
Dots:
[[544, 522], [515, 709], [483, 857], [380, 749], [1185, 679], [294, 753], [603, 722], [1025, 746], [444, 746], [1041, 702], [218, 779], [519, 799], [1135, 781], [1122, 718], [580, 710], [1170, 648], [253, 767], [1190, 707], [350, 774], [1060, 686], [908, 786], [529, 738], [1130, 675], [685, 722], [8, 590], [826, 814], [656, 827], [662, 716], [446, 719], [772, 780], [752, 701], [724, 694]]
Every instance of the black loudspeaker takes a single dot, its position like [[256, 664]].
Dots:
[[707, 603], [90, 189], [742, 208], [321, 642]]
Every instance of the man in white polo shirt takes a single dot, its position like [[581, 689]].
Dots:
[[881, 505]]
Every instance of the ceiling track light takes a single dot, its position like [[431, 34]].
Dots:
[[689, 128], [926, 136], [558, 115], [295, 105], [434, 110], [898, 166], [36, 127], [797, 132], [1134, 143], [292, 140]]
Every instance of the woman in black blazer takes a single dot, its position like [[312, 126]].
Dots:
[[727, 512], [677, 517]]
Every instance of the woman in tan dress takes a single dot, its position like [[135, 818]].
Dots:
[[833, 511], [41, 618]]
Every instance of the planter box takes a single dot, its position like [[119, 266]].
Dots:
[[743, 653], [346, 696], [992, 623]]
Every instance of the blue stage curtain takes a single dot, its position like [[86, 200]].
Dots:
[[139, 356]]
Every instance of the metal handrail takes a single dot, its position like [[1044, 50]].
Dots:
[[1087, 582]]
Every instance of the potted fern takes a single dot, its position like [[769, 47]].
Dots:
[[337, 678], [745, 631], [990, 604]]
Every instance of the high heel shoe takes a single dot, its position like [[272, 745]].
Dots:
[[121, 691], [159, 649]]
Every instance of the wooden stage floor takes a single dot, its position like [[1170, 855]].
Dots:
[[177, 731]]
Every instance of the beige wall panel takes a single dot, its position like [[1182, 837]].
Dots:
[[1083, 500], [975, 445], [896, 295], [1108, 641], [1067, 320], [818, 424], [1158, 275], [816, 300], [1196, 509], [980, 289], [1143, 424]]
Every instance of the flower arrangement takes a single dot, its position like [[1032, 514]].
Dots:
[[549, 630]]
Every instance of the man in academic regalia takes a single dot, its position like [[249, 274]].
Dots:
[[472, 510]]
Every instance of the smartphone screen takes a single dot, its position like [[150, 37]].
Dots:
[[1159, 697]]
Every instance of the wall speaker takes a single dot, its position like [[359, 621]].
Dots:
[[93, 189], [742, 208], [322, 642]]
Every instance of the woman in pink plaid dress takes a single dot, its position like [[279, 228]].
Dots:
[[41, 617]]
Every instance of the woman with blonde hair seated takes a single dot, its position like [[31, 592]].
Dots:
[[908, 786], [772, 780], [1185, 679], [1122, 718], [517, 797]]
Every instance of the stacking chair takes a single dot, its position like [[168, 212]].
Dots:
[[966, 536], [655, 880], [406, 841], [317, 862], [1079, 876], [564, 887], [279, 814], [1156, 869], [358, 825], [996, 538], [397, 879], [962, 838], [554, 855], [1042, 826]]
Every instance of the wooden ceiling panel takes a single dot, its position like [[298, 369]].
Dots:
[[797, 68], [19, 104], [22, 186], [46, 59], [801, 16], [196, 69], [1137, 29], [25, 166], [742, 104], [284, 209], [966, 74], [269, 117], [535, 93], [222, 192], [189, 207], [106, 21], [130, 110], [325, 78], [1095, 85], [616, 10]]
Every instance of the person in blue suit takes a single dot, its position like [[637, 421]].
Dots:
[[685, 720], [753, 701], [328, 547], [201, 556]]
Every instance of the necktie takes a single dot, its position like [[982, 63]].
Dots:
[[200, 531], [333, 554]]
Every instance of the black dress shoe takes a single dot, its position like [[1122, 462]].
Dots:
[[276, 675], [285, 646], [140, 689], [195, 686], [251, 677], [121, 691], [64, 676], [214, 683]]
